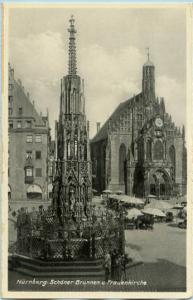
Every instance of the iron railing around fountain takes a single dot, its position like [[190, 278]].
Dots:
[[43, 237]]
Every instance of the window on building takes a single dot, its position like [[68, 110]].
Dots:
[[38, 155], [38, 138], [158, 150], [10, 111], [10, 124], [29, 175], [29, 139], [29, 172], [18, 124], [38, 172], [10, 98], [20, 111], [29, 154], [148, 150], [122, 164], [172, 157], [28, 124], [8, 172]]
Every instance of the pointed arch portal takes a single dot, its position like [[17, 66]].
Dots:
[[160, 184]]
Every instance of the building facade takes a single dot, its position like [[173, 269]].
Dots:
[[139, 150], [29, 147], [72, 185]]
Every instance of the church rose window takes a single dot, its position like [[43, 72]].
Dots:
[[158, 150]]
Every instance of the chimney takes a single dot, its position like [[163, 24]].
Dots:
[[98, 126]]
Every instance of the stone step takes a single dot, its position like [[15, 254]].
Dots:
[[40, 262], [62, 274], [58, 268]]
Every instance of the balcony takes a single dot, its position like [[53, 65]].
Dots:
[[29, 179]]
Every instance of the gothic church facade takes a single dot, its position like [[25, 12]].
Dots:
[[139, 150]]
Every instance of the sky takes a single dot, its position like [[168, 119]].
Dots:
[[111, 51]]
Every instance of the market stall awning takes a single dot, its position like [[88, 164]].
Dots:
[[159, 204], [133, 213], [107, 192], [119, 192], [34, 189], [130, 200], [154, 212]]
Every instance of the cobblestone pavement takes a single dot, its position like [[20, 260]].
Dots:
[[165, 241]]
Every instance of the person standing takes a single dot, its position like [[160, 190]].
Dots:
[[107, 266], [113, 263], [118, 268], [124, 261]]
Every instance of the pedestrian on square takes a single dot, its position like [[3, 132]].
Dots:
[[113, 263], [124, 261], [118, 268], [107, 266]]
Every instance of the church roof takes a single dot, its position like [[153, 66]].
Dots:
[[22, 100], [103, 132], [21, 105]]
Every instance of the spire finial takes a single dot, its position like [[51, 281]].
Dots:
[[72, 47], [147, 53]]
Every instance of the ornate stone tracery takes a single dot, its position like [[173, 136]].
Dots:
[[73, 164]]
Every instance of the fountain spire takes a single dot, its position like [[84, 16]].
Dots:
[[72, 48]]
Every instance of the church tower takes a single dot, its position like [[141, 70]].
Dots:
[[72, 185], [148, 81]]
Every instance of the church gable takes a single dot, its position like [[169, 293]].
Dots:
[[22, 106], [155, 146]]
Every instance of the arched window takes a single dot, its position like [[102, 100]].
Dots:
[[158, 150], [85, 151], [122, 161], [152, 185], [148, 150], [172, 157]]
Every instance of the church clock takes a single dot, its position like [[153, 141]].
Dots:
[[158, 122]]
